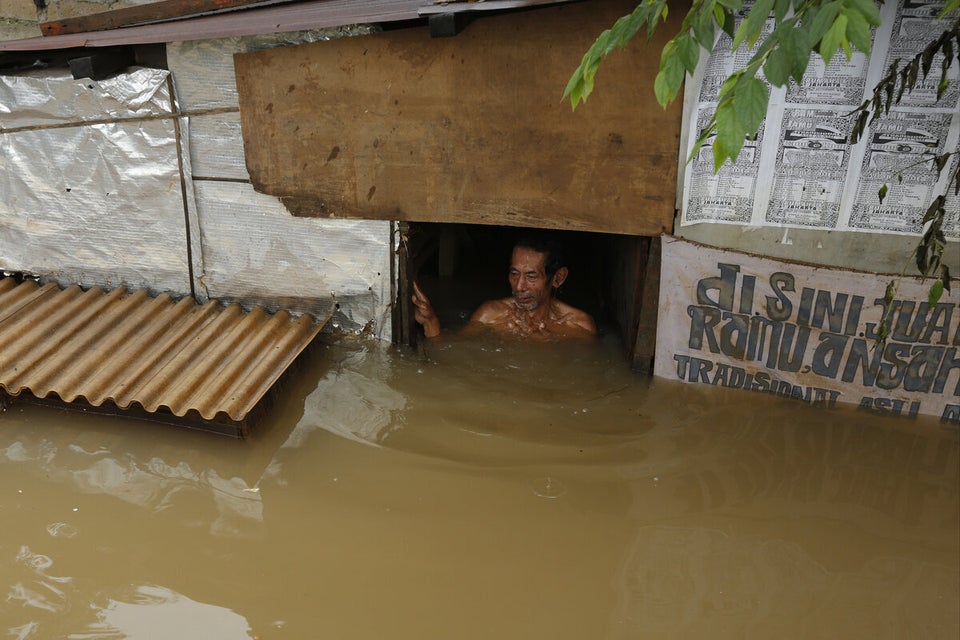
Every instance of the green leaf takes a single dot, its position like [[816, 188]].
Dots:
[[751, 28], [688, 51], [780, 9], [795, 46], [730, 134], [657, 12], [704, 28], [822, 19], [937, 209], [890, 293], [904, 85], [730, 83], [708, 131], [888, 93], [859, 127], [666, 85], [858, 32], [936, 291], [719, 14], [866, 8], [922, 253], [883, 192], [729, 22], [733, 5], [833, 38], [777, 67], [750, 103], [580, 85]]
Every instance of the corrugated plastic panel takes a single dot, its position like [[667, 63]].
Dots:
[[128, 348]]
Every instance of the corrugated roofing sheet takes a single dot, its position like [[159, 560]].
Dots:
[[131, 349]]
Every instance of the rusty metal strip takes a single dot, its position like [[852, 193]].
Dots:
[[136, 351]]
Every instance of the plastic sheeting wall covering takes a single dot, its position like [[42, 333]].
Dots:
[[92, 195], [252, 249], [130, 349], [91, 180]]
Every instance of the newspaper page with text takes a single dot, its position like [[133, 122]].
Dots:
[[801, 171]]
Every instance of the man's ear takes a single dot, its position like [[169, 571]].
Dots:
[[559, 277]]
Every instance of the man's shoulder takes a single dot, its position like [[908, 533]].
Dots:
[[571, 316], [492, 311]]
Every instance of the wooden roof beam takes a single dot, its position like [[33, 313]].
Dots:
[[163, 11]]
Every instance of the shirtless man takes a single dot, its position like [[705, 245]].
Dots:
[[531, 313]]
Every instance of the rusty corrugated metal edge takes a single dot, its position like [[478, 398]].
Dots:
[[300, 16], [132, 350]]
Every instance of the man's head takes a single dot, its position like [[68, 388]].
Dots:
[[536, 268]]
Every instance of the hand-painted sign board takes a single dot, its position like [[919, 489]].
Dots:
[[806, 332]]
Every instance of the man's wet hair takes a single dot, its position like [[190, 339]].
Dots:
[[549, 246]]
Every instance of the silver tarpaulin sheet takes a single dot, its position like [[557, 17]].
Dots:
[[252, 250], [91, 180]]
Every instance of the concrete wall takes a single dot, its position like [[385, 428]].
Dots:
[[22, 18], [880, 253], [18, 19]]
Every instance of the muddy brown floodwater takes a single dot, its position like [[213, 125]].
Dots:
[[483, 491]]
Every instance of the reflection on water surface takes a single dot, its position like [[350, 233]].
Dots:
[[483, 490]]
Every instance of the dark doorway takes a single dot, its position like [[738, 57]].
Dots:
[[461, 265]]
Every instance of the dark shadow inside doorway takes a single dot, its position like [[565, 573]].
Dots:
[[461, 265]]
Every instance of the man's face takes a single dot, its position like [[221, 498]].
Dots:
[[528, 279]]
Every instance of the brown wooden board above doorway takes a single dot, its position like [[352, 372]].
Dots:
[[402, 126]]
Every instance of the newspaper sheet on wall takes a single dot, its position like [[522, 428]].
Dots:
[[809, 333], [801, 171]]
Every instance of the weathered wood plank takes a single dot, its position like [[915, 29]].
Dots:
[[467, 129], [646, 331], [145, 13]]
